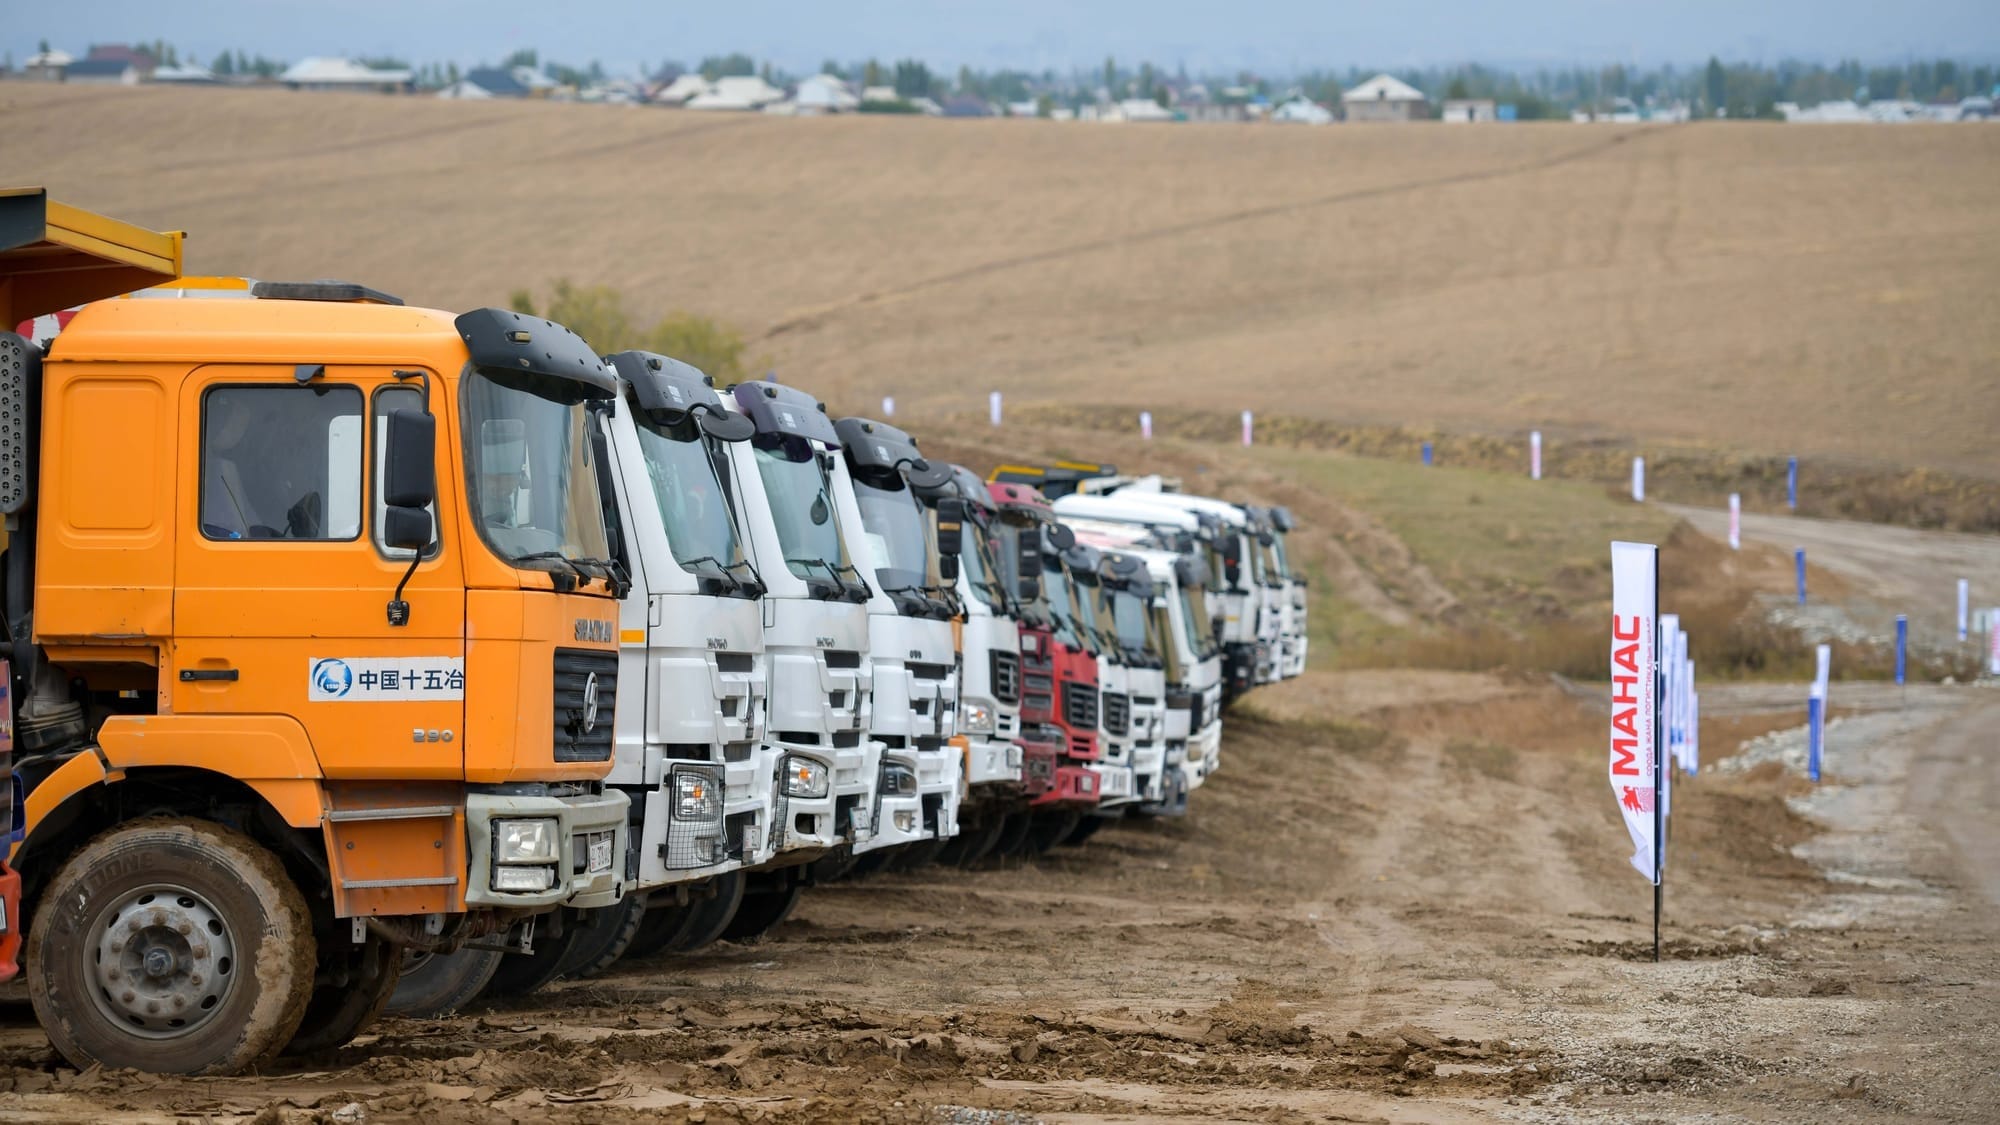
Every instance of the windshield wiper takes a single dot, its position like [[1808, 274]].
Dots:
[[834, 573], [755, 580], [721, 570]]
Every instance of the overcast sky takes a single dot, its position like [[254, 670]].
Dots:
[[1273, 35]]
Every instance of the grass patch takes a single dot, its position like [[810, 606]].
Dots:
[[1488, 759]]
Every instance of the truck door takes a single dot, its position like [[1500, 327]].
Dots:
[[282, 583]]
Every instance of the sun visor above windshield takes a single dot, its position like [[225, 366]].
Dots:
[[663, 386], [778, 409], [1128, 572], [961, 483], [880, 447], [511, 341]]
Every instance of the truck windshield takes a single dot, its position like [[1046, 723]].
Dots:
[[1159, 641], [529, 472], [980, 566], [896, 537], [691, 486], [1089, 623], [1195, 621], [1128, 618], [1278, 556], [1055, 589], [797, 485]]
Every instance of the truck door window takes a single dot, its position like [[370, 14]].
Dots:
[[281, 462], [387, 399]]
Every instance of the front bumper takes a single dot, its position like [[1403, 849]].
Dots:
[[10, 923], [817, 824], [577, 819], [993, 761], [1072, 786]]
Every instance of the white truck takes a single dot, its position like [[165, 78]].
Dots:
[[1296, 640], [910, 638], [1188, 539], [989, 669], [815, 604], [1135, 649], [1193, 658]]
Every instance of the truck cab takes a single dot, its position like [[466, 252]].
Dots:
[[826, 768], [1135, 661], [1293, 662], [910, 634], [326, 649], [1059, 687], [989, 668], [691, 722]]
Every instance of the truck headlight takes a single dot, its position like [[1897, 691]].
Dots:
[[978, 718], [696, 796], [523, 878], [898, 780], [804, 778], [525, 841]]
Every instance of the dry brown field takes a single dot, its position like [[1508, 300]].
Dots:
[[1828, 291]]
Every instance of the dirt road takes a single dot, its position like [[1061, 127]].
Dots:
[[1892, 569], [1403, 899]]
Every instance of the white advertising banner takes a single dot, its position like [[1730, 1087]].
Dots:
[[1964, 605], [1635, 705], [1735, 521], [1639, 478], [1535, 455], [1993, 640], [1670, 670], [993, 407]]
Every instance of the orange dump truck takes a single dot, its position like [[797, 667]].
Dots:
[[311, 649]]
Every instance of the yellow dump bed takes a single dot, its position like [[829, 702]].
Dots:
[[54, 256]]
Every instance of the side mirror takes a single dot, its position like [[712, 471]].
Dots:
[[406, 529], [950, 530], [1031, 587], [948, 569], [409, 467], [1061, 537], [724, 426]]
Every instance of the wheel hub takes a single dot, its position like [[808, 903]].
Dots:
[[164, 962]]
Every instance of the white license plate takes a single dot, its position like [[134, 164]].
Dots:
[[600, 852], [1114, 783], [1013, 757]]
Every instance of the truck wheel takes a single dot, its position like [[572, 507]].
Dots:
[[1085, 829], [524, 974], [761, 911], [599, 946], [971, 846], [911, 857], [1050, 829], [660, 928], [438, 984], [171, 946], [1013, 839], [338, 1013], [872, 863], [714, 916]]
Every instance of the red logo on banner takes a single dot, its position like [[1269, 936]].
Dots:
[[1638, 800]]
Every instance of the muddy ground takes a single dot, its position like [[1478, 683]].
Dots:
[[1403, 899]]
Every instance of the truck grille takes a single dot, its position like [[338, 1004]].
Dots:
[[1006, 676], [586, 685], [1117, 713], [1079, 707]]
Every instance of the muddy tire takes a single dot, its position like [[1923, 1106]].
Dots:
[[713, 916], [1050, 829], [662, 926], [872, 863], [438, 984], [763, 911], [1085, 829], [1013, 839], [599, 946], [524, 974], [972, 845], [339, 1012], [912, 857], [171, 946]]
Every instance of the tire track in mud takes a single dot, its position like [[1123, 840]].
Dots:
[[813, 317]]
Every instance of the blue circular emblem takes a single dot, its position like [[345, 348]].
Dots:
[[333, 677]]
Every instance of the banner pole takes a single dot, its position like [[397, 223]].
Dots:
[[1659, 786]]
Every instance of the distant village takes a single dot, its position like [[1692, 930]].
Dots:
[[736, 85]]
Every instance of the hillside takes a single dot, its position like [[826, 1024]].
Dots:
[[1827, 290]]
